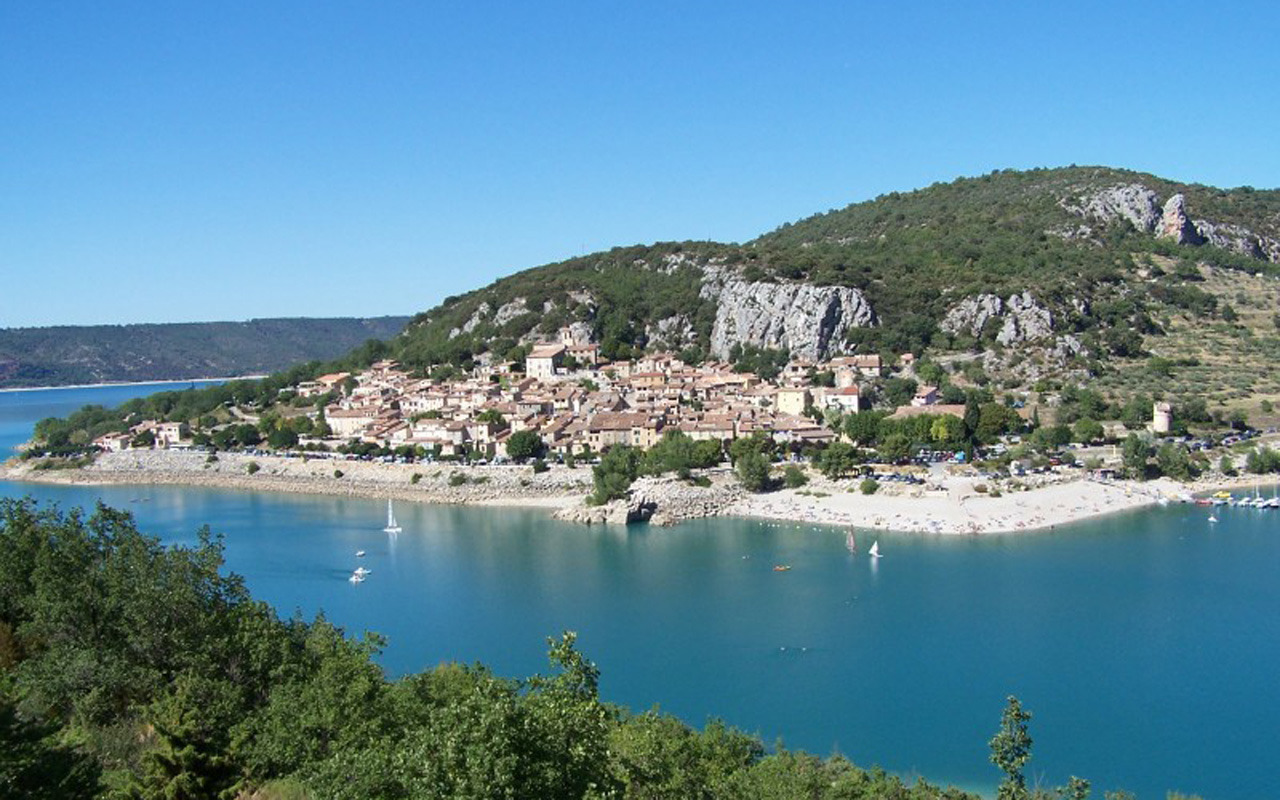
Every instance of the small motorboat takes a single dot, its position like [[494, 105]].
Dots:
[[359, 554], [1213, 519], [356, 578], [361, 571], [781, 567]]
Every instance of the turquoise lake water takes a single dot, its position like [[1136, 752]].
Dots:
[[1146, 644]]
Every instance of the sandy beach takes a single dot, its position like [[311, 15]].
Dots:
[[957, 507], [949, 504]]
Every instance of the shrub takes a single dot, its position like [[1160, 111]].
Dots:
[[868, 486], [794, 477], [539, 466], [416, 478], [211, 459], [252, 467], [457, 479], [337, 473]]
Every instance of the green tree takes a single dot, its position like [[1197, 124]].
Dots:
[[1011, 749], [837, 460], [864, 427], [1174, 461], [190, 761], [613, 476], [753, 471], [1086, 430], [995, 420], [35, 765], [895, 447], [524, 445], [492, 415], [1134, 455]]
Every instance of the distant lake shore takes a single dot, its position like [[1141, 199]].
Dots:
[[109, 384]]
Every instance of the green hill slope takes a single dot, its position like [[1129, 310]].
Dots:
[[1041, 273]]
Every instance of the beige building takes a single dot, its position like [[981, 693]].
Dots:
[[1161, 418], [791, 400], [543, 361]]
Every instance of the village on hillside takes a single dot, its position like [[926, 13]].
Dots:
[[579, 404], [565, 404]]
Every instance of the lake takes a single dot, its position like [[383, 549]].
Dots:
[[1146, 644]]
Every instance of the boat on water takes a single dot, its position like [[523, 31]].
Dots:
[[361, 571], [1213, 518], [356, 577], [874, 552], [392, 525], [359, 554], [851, 541], [781, 567]]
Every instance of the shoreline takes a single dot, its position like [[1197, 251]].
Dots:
[[515, 486], [953, 505], [110, 384]]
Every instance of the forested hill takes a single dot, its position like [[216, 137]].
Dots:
[[60, 356], [1070, 271]]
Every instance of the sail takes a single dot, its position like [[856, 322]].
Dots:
[[875, 549], [392, 525]]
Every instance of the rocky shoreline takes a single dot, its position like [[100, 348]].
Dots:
[[434, 483], [953, 504]]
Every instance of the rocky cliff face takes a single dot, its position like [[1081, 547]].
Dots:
[[1133, 202], [1021, 318], [1141, 207], [1176, 225], [810, 321]]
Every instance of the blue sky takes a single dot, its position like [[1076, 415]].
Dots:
[[200, 161]]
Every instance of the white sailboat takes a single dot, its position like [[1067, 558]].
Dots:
[[874, 552], [392, 525]]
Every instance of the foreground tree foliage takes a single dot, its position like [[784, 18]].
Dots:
[[133, 670]]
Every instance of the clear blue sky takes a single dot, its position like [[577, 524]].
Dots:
[[227, 160]]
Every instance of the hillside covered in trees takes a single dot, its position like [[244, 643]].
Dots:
[[67, 355], [1074, 271]]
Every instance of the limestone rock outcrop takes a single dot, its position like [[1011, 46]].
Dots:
[[672, 332], [1176, 225], [810, 321], [1025, 320], [510, 311], [1239, 239], [1021, 317], [1133, 202]]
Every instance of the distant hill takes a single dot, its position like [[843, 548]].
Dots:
[[66, 355]]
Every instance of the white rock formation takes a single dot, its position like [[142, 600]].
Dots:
[[1133, 202], [1175, 225], [510, 311], [1025, 320], [673, 332], [810, 321], [1022, 318]]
